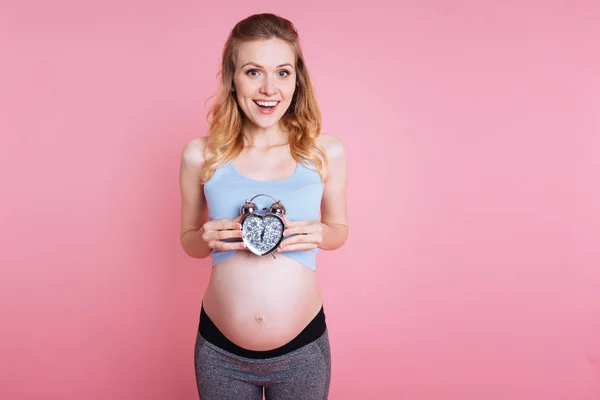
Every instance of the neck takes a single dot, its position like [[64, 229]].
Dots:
[[255, 136]]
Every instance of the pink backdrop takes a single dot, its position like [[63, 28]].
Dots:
[[472, 130]]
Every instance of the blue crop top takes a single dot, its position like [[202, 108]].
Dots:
[[227, 190]]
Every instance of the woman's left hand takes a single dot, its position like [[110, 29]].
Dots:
[[307, 235]]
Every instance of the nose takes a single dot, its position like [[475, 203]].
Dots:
[[268, 87]]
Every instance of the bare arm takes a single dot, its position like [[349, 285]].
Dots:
[[199, 236], [334, 215], [193, 204]]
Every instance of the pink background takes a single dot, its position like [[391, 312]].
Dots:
[[472, 131]]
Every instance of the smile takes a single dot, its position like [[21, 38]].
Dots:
[[266, 107]]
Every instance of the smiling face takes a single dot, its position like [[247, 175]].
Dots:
[[265, 80]]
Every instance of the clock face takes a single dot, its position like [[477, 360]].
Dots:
[[262, 233]]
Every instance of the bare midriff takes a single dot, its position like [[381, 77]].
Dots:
[[261, 303]]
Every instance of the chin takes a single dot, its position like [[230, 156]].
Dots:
[[264, 123]]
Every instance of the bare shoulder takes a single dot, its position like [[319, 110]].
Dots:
[[333, 146], [192, 155]]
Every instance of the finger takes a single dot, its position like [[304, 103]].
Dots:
[[314, 227], [224, 246], [223, 224], [311, 238], [298, 246], [296, 230], [226, 234]]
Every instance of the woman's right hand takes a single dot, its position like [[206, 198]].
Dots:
[[214, 232]]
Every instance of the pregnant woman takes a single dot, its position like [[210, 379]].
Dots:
[[262, 323]]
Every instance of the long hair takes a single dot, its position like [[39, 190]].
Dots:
[[302, 119]]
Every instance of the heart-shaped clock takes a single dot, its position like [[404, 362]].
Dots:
[[262, 231]]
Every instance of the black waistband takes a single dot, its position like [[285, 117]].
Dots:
[[211, 334]]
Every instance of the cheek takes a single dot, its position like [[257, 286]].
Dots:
[[244, 86], [289, 91]]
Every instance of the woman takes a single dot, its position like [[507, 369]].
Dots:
[[262, 324]]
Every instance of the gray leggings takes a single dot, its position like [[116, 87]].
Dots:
[[303, 374]]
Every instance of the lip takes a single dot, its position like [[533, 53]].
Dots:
[[262, 110]]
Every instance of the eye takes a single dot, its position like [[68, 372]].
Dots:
[[252, 72], [284, 73]]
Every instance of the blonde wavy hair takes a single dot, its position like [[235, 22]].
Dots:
[[302, 120]]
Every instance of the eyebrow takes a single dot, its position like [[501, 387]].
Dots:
[[260, 66]]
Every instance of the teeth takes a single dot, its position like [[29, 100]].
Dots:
[[267, 103]]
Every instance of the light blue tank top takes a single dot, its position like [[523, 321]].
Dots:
[[227, 190]]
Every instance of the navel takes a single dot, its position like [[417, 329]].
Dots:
[[259, 318]]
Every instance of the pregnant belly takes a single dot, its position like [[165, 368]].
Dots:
[[261, 303]]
